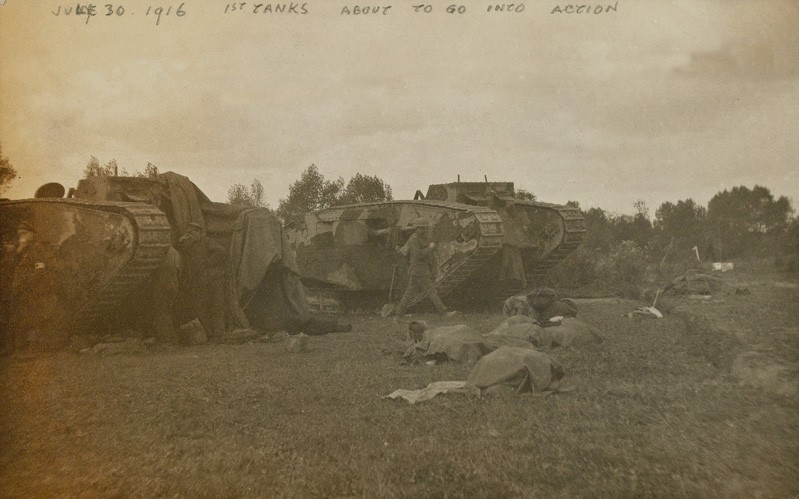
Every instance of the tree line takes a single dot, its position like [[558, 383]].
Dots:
[[737, 222], [312, 191], [620, 252], [111, 169]]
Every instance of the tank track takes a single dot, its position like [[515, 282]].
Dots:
[[153, 238], [491, 236], [151, 241], [489, 242], [572, 236]]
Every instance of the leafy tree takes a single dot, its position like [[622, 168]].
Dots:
[[111, 169], [791, 238], [743, 218], [635, 228], [640, 228], [7, 171], [94, 169], [641, 209], [311, 192], [524, 195], [789, 247], [364, 189], [150, 171], [599, 229], [750, 210], [684, 222], [241, 195]]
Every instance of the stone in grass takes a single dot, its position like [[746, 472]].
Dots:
[[296, 343], [192, 333]]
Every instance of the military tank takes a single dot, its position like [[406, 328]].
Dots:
[[72, 265], [68, 263], [489, 245]]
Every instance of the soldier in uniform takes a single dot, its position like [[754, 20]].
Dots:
[[546, 306], [518, 305], [205, 265], [421, 270], [37, 285], [165, 286]]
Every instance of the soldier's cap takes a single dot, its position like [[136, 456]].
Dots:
[[418, 327]]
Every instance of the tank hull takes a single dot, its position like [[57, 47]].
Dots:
[[354, 249], [490, 245], [81, 260], [257, 249]]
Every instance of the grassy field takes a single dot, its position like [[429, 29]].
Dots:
[[701, 403]]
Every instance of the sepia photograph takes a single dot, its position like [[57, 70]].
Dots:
[[445, 248]]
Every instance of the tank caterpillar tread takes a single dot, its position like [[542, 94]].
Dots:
[[335, 251], [562, 241], [153, 241], [514, 244], [100, 252], [489, 243]]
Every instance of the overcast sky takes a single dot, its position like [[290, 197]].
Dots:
[[658, 101]]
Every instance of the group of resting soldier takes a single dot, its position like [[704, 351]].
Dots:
[[540, 304]]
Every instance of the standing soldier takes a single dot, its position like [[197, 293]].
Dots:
[[421, 270], [205, 265], [37, 285], [165, 288]]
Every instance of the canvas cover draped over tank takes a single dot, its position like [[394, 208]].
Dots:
[[254, 236], [257, 228]]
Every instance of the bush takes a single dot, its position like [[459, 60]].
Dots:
[[578, 270], [623, 270]]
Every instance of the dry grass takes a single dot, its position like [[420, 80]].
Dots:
[[657, 411]]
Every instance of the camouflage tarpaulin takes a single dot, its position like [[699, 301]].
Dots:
[[267, 281], [185, 205], [523, 369], [255, 228]]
